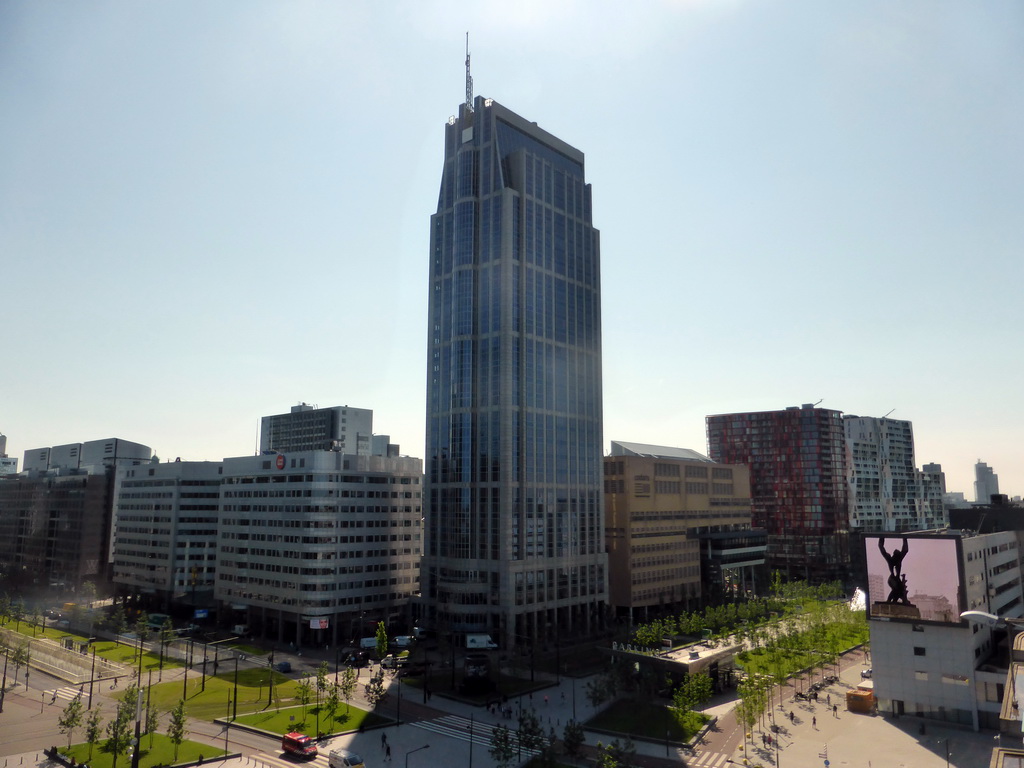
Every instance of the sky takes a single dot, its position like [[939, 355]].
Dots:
[[210, 212]]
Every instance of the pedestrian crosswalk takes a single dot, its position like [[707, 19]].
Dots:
[[458, 727], [67, 693], [269, 760], [707, 760]]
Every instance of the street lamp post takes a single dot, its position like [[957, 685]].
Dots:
[[3, 688], [425, 746], [92, 675], [234, 711]]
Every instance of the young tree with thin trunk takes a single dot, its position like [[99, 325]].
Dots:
[[502, 750], [93, 728], [176, 730], [347, 686], [71, 718], [304, 693]]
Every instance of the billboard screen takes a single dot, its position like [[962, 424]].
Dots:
[[914, 578]]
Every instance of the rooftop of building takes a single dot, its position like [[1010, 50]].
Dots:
[[622, 448]]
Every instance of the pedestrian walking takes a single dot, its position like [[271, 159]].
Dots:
[[387, 753], [546, 698], [383, 739], [835, 710], [792, 717], [829, 699], [814, 722]]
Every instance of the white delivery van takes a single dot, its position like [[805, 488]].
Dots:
[[344, 758], [480, 642], [368, 643], [403, 641]]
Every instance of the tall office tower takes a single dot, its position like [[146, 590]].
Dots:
[[986, 483], [514, 528], [880, 473], [797, 485], [308, 428]]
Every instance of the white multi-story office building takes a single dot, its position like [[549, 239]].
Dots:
[[317, 546], [308, 428], [164, 541], [927, 662]]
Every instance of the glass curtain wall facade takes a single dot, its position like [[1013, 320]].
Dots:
[[514, 524]]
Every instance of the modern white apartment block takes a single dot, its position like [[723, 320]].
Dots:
[[164, 542], [887, 493], [308, 428], [316, 546], [927, 662]]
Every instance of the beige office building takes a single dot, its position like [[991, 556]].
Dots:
[[672, 515]]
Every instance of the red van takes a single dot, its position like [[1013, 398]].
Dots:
[[298, 744]]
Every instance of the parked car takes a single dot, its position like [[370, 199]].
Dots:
[[283, 666], [391, 661], [344, 758], [865, 674]]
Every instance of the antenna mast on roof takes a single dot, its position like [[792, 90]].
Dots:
[[469, 79]]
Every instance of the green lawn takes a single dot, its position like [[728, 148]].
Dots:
[[253, 692], [304, 720], [161, 753], [644, 719], [124, 653]]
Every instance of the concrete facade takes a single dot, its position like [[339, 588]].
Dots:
[[952, 672], [657, 506], [318, 536]]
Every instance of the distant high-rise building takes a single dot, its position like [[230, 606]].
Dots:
[[986, 483], [308, 428], [798, 485], [8, 466], [515, 534]]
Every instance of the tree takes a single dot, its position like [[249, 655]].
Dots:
[[119, 732], [616, 755], [93, 728], [71, 718], [573, 738], [118, 623], [176, 730], [142, 630], [502, 749], [382, 640], [304, 693], [531, 734], [19, 658], [375, 691], [322, 674], [152, 721], [332, 704], [347, 687], [165, 636]]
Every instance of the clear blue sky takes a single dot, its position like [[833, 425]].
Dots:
[[211, 211]]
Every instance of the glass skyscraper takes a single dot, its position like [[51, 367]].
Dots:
[[514, 519]]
